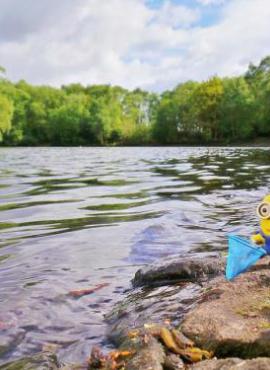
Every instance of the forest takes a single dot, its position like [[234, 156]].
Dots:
[[217, 111]]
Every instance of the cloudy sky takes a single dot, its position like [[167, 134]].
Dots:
[[153, 44]]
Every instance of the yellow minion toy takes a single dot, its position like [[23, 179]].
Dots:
[[262, 237]]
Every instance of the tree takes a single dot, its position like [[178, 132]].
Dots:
[[19, 100], [184, 98], [217, 110], [236, 110], [207, 98], [6, 113], [260, 72], [258, 78], [165, 129], [67, 119], [2, 71]]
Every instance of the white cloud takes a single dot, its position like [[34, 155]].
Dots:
[[241, 37], [176, 15], [124, 42], [211, 2]]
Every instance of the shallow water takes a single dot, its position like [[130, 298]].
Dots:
[[72, 218]]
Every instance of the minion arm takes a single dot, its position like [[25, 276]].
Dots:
[[257, 239]]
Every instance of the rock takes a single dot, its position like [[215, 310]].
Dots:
[[233, 364], [228, 318], [173, 362], [158, 303], [149, 355], [188, 268], [41, 361], [151, 306], [233, 318]]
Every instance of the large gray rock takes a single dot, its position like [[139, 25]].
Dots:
[[233, 364], [233, 318], [189, 268]]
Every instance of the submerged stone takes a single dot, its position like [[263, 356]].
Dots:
[[9, 339]]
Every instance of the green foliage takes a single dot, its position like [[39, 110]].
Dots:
[[236, 110], [207, 100], [227, 110], [65, 120], [258, 78], [166, 127], [6, 112], [2, 71]]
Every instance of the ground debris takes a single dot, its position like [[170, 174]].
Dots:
[[177, 343], [153, 345], [112, 361]]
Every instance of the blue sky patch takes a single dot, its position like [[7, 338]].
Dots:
[[210, 14]]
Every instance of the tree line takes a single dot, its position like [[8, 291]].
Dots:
[[217, 111]]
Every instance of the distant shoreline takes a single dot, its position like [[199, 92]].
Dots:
[[252, 144]]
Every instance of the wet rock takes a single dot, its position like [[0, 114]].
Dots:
[[41, 361], [151, 305], [233, 364], [236, 321], [173, 362], [188, 268]]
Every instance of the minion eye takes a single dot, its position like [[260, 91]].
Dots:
[[263, 210]]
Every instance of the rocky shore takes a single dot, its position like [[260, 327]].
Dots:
[[183, 314]]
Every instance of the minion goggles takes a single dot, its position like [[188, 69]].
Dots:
[[263, 210]]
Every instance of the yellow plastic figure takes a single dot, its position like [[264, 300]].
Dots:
[[263, 236]]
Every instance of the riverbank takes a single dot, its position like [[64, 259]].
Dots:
[[183, 314]]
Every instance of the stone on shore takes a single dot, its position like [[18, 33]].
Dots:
[[174, 362], [233, 318], [149, 355], [233, 364], [189, 268]]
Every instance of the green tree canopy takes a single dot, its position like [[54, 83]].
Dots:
[[226, 110], [6, 113]]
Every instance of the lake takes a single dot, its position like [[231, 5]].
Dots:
[[73, 218]]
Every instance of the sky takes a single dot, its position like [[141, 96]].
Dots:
[[151, 44]]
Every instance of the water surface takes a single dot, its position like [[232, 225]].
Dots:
[[72, 218]]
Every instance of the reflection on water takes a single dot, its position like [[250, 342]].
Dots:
[[72, 218]]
